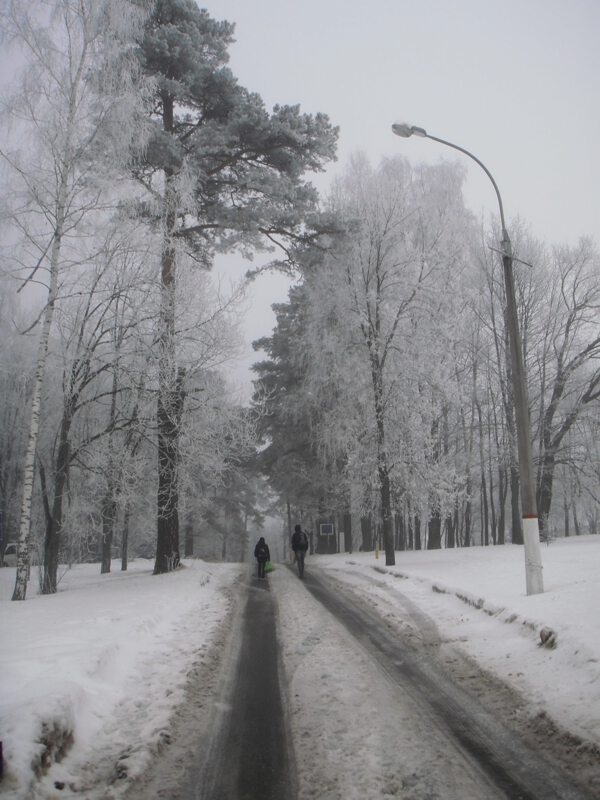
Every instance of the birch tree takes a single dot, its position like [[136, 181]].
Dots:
[[67, 103]]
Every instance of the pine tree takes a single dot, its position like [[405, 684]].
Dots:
[[289, 458], [220, 171]]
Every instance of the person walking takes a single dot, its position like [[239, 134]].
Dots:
[[262, 555], [299, 546]]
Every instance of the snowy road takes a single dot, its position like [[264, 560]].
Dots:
[[445, 744], [372, 705], [249, 756]]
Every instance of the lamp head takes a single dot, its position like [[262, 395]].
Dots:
[[406, 131]]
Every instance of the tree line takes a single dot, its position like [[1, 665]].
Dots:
[[388, 374], [131, 157]]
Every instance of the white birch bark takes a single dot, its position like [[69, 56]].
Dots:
[[64, 165], [20, 589]]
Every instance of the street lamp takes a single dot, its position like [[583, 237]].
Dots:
[[533, 560]]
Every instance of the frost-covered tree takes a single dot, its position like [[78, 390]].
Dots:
[[220, 171], [102, 322], [380, 297], [217, 452], [72, 97], [565, 310], [444, 383]]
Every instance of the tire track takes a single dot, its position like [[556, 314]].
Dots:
[[519, 772], [251, 758]]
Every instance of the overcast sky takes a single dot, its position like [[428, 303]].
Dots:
[[516, 82]]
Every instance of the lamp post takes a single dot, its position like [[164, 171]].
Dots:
[[533, 560]]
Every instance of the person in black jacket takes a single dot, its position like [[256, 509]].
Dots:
[[299, 546], [262, 555]]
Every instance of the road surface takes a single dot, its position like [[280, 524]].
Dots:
[[399, 720], [250, 757]]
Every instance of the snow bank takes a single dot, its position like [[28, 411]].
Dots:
[[106, 658]]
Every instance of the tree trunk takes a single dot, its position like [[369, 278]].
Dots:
[[456, 526], [170, 410], [448, 525], [492, 504], [485, 538], [20, 589], [417, 532], [386, 516], [383, 469], [125, 538], [485, 510], [434, 527], [434, 538], [502, 491], [289, 520], [244, 542], [347, 517], [109, 511], [576, 520], [400, 532], [450, 530], [188, 548], [546, 481], [170, 383], [515, 506], [109, 504], [467, 536], [54, 523], [366, 533]]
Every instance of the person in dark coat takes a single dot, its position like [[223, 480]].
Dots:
[[262, 555], [299, 546]]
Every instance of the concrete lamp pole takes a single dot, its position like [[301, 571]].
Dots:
[[531, 537]]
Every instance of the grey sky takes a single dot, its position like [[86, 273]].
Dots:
[[517, 82]]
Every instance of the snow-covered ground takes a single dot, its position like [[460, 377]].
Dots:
[[108, 657]]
